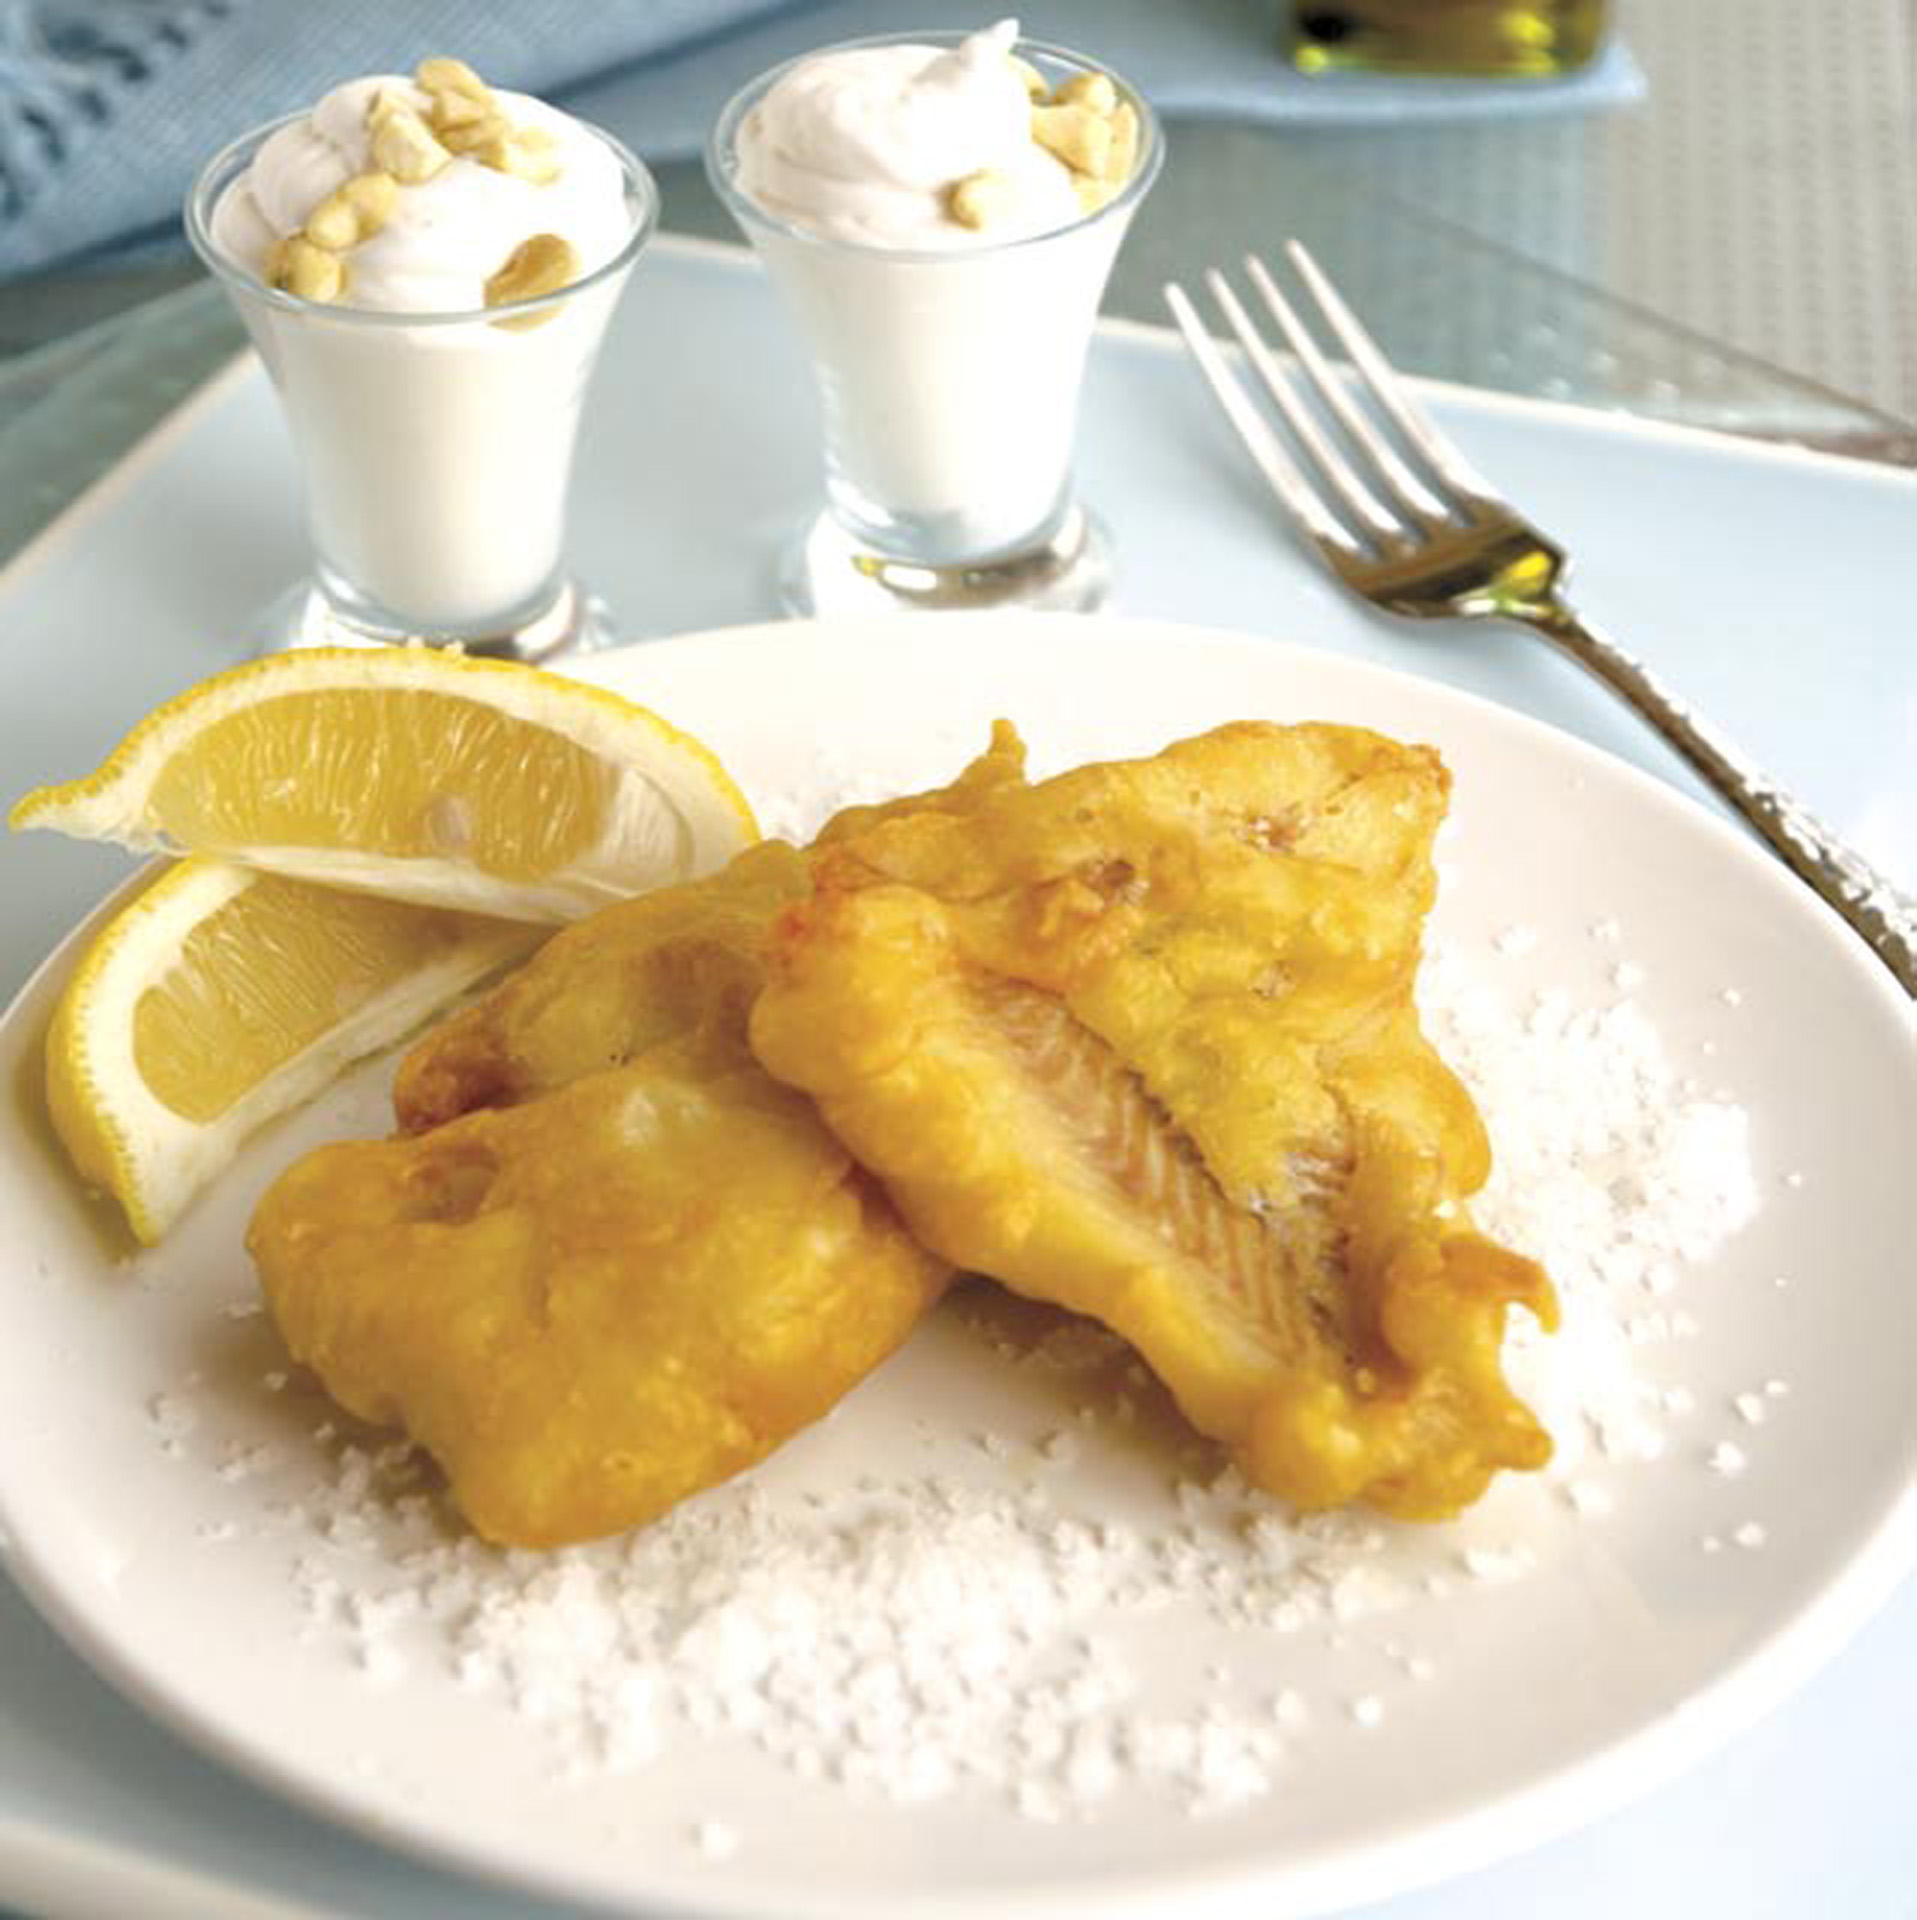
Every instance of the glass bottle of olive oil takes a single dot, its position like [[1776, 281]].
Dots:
[[1532, 39]]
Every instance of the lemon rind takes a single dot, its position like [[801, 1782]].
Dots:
[[111, 802], [603, 874]]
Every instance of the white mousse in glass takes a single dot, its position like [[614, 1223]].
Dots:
[[941, 214], [427, 266]]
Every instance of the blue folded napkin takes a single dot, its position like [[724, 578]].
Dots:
[[108, 110]]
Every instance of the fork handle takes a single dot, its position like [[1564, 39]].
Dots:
[[1885, 918]]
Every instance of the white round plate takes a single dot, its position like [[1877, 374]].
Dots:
[[153, 1464]]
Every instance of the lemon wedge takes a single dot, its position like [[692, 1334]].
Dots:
[[222, 996], [417, 774]]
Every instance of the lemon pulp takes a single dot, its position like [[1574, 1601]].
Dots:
[[432, 775], [221, 996], [266, 975]]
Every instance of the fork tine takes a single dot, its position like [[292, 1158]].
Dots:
[[1261, 443], [1384, 385], [1352, 494], [1407, 493]]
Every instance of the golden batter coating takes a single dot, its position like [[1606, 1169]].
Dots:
[[614, 1262], [1141, 1040], [637, 972]]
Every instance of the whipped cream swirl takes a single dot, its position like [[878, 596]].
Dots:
[[446, 235], [863, 144]]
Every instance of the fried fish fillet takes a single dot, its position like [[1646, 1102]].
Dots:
[[613, 1262], [1140, 1040], [616, 983]]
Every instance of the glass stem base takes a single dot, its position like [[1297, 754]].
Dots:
[[575, 622], [826, 571]]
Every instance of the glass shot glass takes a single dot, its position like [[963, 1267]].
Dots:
[[948, 383], [435, 449]]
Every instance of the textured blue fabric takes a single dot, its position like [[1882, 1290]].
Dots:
[[108, 108]]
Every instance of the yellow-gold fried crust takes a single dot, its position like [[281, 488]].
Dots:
[[612, 1262], [1141, 1040]]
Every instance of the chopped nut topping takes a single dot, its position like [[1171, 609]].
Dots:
[[470, 136], [463, 117], [982, 199], [1075, 135], [1098, 190], [455, 77], [1093, 194], [1093, 91], [404, 144], [408, 150], [533, 154], [451, 110], [1083, 124], [530, 153], [354, 212], [333, 224], [492, 150], [540, 265], [308, 272]]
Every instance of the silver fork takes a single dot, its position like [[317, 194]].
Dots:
[[1408, 525]]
